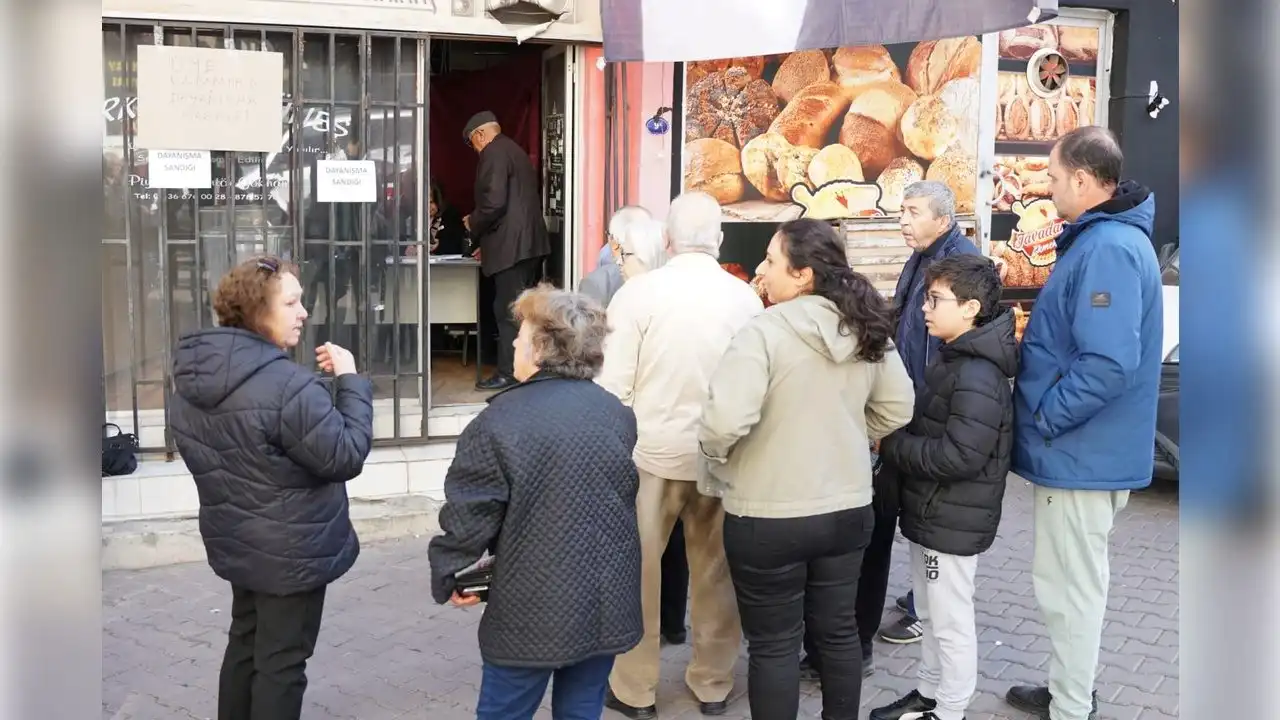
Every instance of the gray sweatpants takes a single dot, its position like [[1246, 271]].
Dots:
[[1071, 573], [949, 649]]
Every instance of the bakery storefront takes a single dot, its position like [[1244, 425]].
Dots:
[[838, 134], [373, 89]]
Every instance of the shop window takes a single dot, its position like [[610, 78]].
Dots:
[[353, 96]]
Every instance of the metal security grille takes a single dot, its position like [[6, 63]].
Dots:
[[345, 95]]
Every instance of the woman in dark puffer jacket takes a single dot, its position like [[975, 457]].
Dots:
[[270, 450]]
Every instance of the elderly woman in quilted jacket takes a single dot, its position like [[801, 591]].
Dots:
[[270, 448], [543, 479]]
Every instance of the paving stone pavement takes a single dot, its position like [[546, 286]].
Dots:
[[387, 651]]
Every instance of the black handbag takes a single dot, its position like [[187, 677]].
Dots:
[[119, 451]]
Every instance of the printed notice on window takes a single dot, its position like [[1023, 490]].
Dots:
[[346, 181], [180, 169], [206, 99]]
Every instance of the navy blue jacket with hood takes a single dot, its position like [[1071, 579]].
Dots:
[[270, 451], [914, 343], [1089, 371]]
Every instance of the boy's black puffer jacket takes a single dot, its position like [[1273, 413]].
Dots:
[[270, 452], [952, 460]]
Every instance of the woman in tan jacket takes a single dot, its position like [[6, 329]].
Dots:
[[802, 393]]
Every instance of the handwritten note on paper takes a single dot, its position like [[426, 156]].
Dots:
[[206, 99], [346, 181], [179, 169]]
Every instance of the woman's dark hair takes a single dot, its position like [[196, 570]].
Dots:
[[864, 312], [437, 196]]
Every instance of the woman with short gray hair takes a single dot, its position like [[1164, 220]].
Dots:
[[642, 247], [543, 479]]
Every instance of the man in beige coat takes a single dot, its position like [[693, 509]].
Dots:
[[669, 329]]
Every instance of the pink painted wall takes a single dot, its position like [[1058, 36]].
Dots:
[[653, 153], [646, 158], [591, 164]]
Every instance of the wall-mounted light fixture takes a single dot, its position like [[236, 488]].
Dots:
[[658, 125], [1155, 101]]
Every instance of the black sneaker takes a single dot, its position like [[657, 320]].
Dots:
[[904, 604], [904, 632], [1035, 700], [913, 702]]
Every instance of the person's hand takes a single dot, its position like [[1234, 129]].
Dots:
[[335, 359], [476, 254], [466, 222], [463, 600]]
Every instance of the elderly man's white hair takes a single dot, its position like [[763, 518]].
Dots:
[[644, 240], [693, 224], [624, 217]]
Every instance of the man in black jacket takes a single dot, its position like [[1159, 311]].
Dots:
[[508, 226], [952, 462]]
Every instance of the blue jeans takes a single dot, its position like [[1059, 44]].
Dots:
[[577, 693]]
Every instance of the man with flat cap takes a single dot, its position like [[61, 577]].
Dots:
[[508, 227]]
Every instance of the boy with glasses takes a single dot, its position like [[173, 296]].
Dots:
[[952, 462]]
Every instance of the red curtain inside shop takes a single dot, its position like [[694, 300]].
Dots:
[[512, 91]]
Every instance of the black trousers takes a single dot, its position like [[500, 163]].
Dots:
[[507, 286], [264, 669], [675, 583], [793, 575], [874, 586]]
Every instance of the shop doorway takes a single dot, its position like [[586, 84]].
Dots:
[[528, 88], [345, 95]]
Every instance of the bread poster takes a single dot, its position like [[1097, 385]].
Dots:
[[1030, 117], [832, 134]]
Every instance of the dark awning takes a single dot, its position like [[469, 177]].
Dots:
[[683, 30]]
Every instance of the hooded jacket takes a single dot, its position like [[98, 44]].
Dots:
[[270, 451], [952, 460], [915, 345], [791, 414], [1089, 377]]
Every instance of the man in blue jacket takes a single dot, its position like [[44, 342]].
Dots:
[[1085, 404]]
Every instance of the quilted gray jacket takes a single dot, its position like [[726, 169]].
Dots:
[[270, 451], [543, 479]]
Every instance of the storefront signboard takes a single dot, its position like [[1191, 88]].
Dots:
[[205, 99], [346, 181], [179, 169], [833, 134]]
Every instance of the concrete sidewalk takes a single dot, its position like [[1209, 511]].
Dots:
[[387, 651]]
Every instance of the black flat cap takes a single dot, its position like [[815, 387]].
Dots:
[[483, 117]]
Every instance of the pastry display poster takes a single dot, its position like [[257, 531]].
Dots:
[[832, 134], [1029, 118]]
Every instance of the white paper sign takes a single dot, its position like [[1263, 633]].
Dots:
[[205, 99], [179, 169], [346, 181]]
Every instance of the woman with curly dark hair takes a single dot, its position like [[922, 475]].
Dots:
[[795, 404], [270, 448]]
